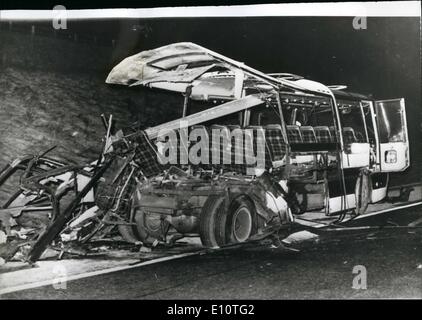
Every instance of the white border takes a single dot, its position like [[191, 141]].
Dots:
[[349, 9]]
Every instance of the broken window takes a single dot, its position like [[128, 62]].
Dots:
[[309, 120], [265, 114], [369, 124], [352, 122], [391, 121]]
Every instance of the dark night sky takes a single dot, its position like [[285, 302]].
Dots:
[[383, 60]]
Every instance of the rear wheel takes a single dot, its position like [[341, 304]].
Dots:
[[219, 226], [240, 222], [212, 210]]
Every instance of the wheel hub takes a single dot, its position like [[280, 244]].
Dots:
[[242, 224]]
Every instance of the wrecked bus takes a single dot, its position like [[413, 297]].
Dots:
[[325, 152], [251, 154]]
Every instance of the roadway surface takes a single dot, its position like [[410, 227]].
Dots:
[[323, 270]]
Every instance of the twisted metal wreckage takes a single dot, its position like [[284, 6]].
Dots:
[[327, 156]]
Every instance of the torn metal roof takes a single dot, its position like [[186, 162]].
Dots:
[[186, 66]]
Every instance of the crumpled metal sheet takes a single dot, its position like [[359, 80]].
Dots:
[[166, 68], [150, 63], [176, 67]]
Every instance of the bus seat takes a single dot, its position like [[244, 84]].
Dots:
[[349, 135], [333, 134], [254, 153], [308, 134], [322, 134], [276, 144], [229, 151], [293, 134]]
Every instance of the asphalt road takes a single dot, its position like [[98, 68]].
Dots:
[[392, 259]]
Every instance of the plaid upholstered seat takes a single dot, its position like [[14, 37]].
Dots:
[[228, 150], [146, 155], [275, 141], [333, 134], [322, 134], [238, 152], [308, 134], [293, 134], [349, 135], [255, 141]]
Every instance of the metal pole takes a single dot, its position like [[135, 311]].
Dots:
[[186, 101]]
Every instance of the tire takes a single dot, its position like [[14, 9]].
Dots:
[[150, 227], [363, 192], [211, 211], [238, 224]]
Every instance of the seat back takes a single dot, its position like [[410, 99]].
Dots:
[[229, 149], [349, 135], [254, 151], [276, 144], [146, 156], [293, 134], [308, 134], [323, 134], [333, 134]]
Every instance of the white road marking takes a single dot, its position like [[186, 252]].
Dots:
[[97, 272]]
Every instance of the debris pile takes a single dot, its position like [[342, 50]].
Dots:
[[62, 207]]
